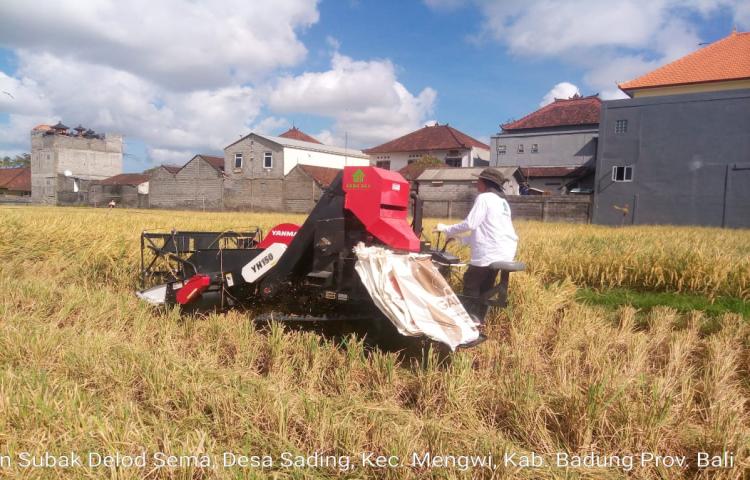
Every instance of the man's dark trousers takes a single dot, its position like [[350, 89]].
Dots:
[[477, 281]]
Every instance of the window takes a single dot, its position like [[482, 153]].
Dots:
[[622, 174], [520, 148], [268, 160], [621, 126], [501, 149], [384, 164], [534, 148], [237, 160], [453, 162]]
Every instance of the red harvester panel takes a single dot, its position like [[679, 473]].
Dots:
[[380, 200], [193, 288]]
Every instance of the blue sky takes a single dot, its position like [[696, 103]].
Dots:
[[364, 71]]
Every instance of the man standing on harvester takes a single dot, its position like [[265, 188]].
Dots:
[[492, 238]]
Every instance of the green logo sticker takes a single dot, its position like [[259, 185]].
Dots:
[[358, 176]]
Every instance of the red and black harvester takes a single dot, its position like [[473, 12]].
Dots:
[[300, 273]]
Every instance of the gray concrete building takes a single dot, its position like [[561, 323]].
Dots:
[[65, 162], [198, 185], [256, 167], [553, 143], [675, 159]]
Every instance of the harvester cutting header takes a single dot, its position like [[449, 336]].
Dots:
[[356, 257]]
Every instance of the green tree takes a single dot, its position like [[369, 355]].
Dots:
[[428, 161], [23, 160]]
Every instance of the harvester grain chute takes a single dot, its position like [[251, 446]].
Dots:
[[356, 257]]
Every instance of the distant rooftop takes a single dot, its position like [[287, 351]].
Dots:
[[316, 147], [460, 174], [573, 111], [724, 60], [214, 161], [430, 137], [296, 134], [16, 179], [133, 179], [322, 175]]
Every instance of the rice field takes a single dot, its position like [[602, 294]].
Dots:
[[85, 367]]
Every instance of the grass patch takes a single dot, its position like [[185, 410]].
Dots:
[[682, 302]]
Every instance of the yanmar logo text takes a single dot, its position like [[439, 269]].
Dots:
[[283, 233]]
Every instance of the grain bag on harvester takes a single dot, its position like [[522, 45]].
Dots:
[[356, 257]]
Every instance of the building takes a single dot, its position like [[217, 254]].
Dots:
[[304, 185], [719, 66], [450, 192], [198, 185], [556, 145], [295, 133], [413, 170], [15, 185], [65, 162], [256, 166], [678, 152], [126, 190], [559, 180], [450, 146]]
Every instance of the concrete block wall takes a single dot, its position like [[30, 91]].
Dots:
[[301, 192], [124, 195], [570, 208], [196, 186]]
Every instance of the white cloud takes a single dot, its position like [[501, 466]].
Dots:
[[178, 43], [364, 98], [270, 126], [176, 74], [612, 41], [561, 90], [21, 96], [108, 99], [187, 77], [165, 156]]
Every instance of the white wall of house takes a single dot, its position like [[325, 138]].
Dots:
[[401, 159], [296, 156]]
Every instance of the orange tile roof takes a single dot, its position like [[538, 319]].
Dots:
[[322, 175], [16, 179], [725, 59], [172, 168], [435, 137], [133, 179], [214, 161], [563, 112], [296, 134]]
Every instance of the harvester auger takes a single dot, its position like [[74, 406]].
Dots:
[[303, 273]]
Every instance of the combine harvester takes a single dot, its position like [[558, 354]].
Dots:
[[355, 258]]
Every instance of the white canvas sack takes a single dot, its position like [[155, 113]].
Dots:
[[410, 291]]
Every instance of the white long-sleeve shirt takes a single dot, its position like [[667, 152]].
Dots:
[[493, 238]]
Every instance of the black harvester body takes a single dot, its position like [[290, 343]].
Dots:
[[299, 273]]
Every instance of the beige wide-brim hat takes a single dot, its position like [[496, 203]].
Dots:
[[493, 175]]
